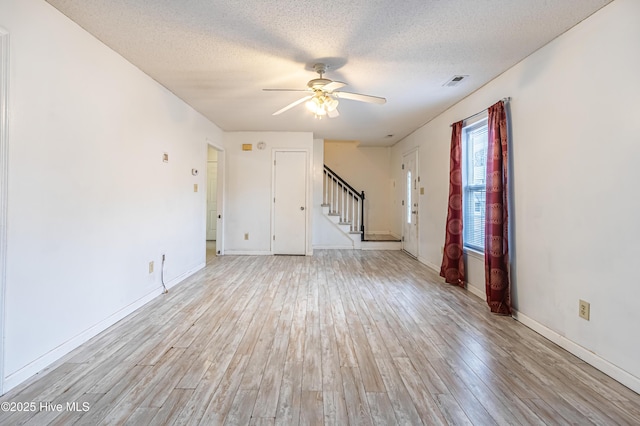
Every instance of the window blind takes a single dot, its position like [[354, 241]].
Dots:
[[474, 177]]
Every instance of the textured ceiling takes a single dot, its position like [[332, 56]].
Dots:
[[218, 55]]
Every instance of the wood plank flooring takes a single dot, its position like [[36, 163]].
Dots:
[[341, 337]]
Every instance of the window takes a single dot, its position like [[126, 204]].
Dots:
[[474, 168]]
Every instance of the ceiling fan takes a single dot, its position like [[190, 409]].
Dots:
[[323, 97]]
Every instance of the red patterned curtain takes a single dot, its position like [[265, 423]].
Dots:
[[496, 257], [452, 268]]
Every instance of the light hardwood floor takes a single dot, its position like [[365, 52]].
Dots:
[[341, 337]]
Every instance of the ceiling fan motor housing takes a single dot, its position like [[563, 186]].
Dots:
[[318, 83]]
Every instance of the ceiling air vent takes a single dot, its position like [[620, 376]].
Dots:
[[455, 80]]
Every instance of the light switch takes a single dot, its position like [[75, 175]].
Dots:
[[195, 187], [422, 190]]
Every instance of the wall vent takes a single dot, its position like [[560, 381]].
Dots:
[[455, 80]]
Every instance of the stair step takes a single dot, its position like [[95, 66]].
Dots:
[[344, 226]]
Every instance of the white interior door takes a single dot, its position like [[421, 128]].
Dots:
[[290, 202], [410, 204], [212, 199]]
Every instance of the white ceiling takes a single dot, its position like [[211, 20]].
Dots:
[[218, 55]]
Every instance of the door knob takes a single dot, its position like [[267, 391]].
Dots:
[[301, 208]]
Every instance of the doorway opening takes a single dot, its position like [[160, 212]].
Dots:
[[214, 216]]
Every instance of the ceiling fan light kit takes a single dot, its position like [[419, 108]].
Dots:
[[322, 104], [324, 98]]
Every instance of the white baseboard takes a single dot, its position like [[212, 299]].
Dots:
[[247, 253], [41, 363], [424, 261], [378, 233], [261, 253], [611, 370], [471, 289], [177, 280], [381, 245], [481, 293], [332, 247]]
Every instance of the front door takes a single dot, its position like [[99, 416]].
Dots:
[[410, 204], [290, 202]]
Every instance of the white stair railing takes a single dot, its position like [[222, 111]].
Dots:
[[344, 200]]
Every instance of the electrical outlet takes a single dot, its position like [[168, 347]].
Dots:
[[151, 267], [246, 236], [584, 309]]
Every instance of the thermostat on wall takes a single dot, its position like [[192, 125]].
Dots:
[[194, 172]]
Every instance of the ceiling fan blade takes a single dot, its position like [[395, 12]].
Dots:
[[361, 98], [333, 86], [333, 113], [291, 105]]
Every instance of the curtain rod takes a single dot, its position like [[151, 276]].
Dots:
[[507, 99]]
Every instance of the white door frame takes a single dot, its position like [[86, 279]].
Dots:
[[414, 152], [210, 220], [308, 192], [221, 197], [4, 187]]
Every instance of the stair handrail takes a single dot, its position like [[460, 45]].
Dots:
[[354, 193], [344, 182]]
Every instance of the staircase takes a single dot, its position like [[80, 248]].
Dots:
[[344, 206]]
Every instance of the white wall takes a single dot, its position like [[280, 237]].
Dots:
[[4, 175], [367, 169], [248, 177], [91, 202], [575, 156]]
